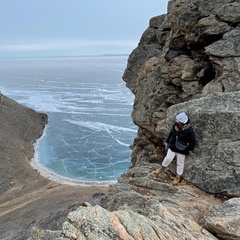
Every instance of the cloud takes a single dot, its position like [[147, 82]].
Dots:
[[25, 47], [65, 45]]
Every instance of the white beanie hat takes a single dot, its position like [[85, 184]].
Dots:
[[182, 117]]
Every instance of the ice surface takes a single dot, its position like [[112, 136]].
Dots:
[[90, 127]]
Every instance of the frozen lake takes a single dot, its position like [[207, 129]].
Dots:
[[89, 107]]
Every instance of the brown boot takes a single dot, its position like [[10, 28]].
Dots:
[[159, 170], [176, 180]]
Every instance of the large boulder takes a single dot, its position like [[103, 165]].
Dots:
[[93, 223], [223, 220], [215, 165]]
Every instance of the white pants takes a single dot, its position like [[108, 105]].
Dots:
[[180, 161]]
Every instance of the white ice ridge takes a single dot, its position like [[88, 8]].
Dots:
[[97, 126]]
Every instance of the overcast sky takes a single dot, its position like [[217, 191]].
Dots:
[[31, 28]]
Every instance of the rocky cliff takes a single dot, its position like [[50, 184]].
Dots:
[[187, 60]]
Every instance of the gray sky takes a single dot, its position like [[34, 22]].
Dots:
[[31, 28]]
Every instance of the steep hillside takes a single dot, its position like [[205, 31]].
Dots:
[[26, 198]]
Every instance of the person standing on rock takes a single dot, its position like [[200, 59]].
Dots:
[[181, 140]]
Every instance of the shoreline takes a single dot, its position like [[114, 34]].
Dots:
[[61, 180], [44, 172]]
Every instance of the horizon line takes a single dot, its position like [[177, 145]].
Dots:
[[74, 56]]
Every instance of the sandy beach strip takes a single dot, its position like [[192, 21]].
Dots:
[[61, 180]]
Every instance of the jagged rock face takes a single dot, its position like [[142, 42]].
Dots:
[[93, 223], [189, 60]]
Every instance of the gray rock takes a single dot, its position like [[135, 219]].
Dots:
[[226, 47], [229, 12], [223, 220], [97, 223], [216, 127]]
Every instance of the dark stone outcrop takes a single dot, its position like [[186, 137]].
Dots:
[[196, 70]]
